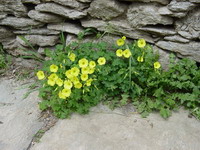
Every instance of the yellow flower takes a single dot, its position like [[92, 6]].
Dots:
[[119, 52], [85, 70], [91, 71], [101, 60], [157, 65], [68, 84], [123, 38], [40, 75], [88, 82], [75, 71], [74, 80], [92, 64], [127, 53], [72, 57], [120, 42], [84, 77], [68, 74], [59, 82], [61, 95], [51, 82], [53, 76], [83, 63], [140, 59], [66, 92], [141, 43], [78, 85], [53, 68]]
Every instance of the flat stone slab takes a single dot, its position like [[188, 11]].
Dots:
[[120, 129], [18, 116]]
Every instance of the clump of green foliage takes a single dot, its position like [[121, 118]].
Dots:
[[80, 75], [2, 58]]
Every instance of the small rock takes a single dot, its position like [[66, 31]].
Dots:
[[14, 7], [85, 1], [44, 17], [69, 3], [39, 31], [190, 50], [106, 9], [167, 12], [66, 27], [60, 10], [5, 34], [31, 1], [2, 15], [164, 2], [159, 30], [40, 40], [194, 1], [20, 23], [176, 38], [142, 14], [180, 6]]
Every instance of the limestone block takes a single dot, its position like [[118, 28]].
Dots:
[[60, 10], [44, 17], [106, 9], [142, 14]]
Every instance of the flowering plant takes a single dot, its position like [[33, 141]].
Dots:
[[80, 75]]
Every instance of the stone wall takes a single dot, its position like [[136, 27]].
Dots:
[[171, 25]]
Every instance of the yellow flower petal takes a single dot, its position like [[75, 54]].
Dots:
[[61, 95], [75, 71], [84, 77], [92, 64], [53, 68], [59, 82], [119, 52], [120, 42], [157, 65], [51, 82], [127, 53], [40, 75], [141, 43], [72, 57], [68, 84], [78, 85], [101, 61], [66, 92], [83, 63]]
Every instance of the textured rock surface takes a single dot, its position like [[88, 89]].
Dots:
[[40, 31], [106, 9], [164, 2], [159, 30], [116, 27], [44, 17], [20, 23], [18, 116], [60, 10], [167, 12], [5, 34], [189, 26], [31, 1], [180, 6], [69, 3], [66, 27], [176, 38], [190, 50], [14, 7], [120, 129], [40, 40], [141, 14]]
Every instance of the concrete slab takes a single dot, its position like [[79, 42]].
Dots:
[[103, 129], [18, 116]]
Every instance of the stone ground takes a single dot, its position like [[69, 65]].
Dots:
[[101, 129]]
